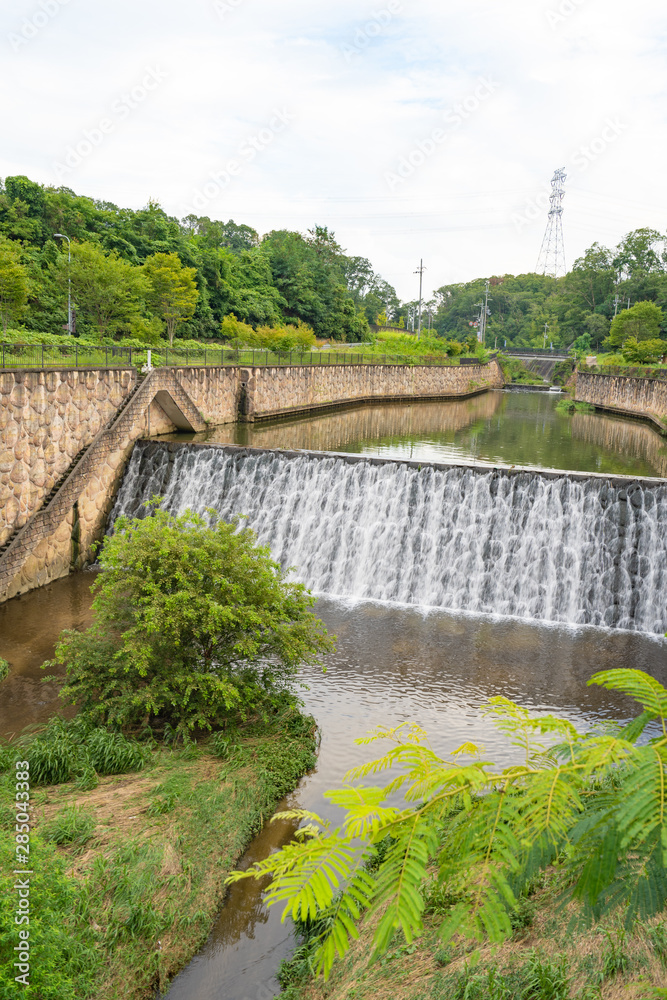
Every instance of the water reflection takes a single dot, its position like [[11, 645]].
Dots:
[[29, 628], [497, 428]]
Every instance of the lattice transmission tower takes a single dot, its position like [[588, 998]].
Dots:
[[552, 255]]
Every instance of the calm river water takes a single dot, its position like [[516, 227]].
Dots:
[[392, 663], [497, 428]]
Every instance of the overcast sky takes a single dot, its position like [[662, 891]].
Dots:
[[412, 128]]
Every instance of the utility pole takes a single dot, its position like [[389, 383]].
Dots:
[[483, 313], [546, 327], [61, 236], [617, 302], [420, 271]]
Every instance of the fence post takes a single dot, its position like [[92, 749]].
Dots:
[[204, 357], [3, 355], [76, 355], [42, 355], [186, 357]]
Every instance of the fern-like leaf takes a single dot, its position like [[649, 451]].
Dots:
[[637, 684]]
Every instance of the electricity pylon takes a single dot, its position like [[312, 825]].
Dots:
[[552, 255]]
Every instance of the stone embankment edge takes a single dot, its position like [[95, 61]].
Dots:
[[627, 382], [348, 404], [352, 459]]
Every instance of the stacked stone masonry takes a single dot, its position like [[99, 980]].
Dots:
[[272, 391], [48, 418], [642, 397]]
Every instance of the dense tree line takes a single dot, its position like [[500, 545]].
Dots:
[[145, 274], [579, 307]]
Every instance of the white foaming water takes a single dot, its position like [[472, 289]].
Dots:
[[555, 549]]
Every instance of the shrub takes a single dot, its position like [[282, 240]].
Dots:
[[194, 623]]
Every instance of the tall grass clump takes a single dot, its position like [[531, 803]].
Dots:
[[65, 751]]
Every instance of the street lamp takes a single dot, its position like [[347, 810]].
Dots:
[[69, 280]]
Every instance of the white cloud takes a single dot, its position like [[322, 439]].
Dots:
[[354, 117]]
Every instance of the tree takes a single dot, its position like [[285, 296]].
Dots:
[[13, 284], [108, 291], [639, 253], [193, 624], [597, 327], [643, 352], [642, 321], [600, 798], [173, 292]]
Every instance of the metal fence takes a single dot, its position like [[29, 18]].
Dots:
[[74, 355], [70, 354]]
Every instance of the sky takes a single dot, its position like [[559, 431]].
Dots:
[[414, 129]]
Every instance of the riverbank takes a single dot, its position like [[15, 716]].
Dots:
[[129, 875], [546, 959]]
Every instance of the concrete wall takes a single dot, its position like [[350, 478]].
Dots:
[[80, 426], [642, 397], [272, 391]]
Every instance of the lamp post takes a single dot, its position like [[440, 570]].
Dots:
[[69, 280]]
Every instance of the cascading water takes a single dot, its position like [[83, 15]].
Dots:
[[525, 545]]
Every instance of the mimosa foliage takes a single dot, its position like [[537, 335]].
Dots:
[[596, 799]]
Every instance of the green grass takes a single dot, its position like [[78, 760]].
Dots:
[[143, 856], [72, 825], [4, 670], [570, 406], [65, 751]]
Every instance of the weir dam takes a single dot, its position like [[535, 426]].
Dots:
[[557, 547]]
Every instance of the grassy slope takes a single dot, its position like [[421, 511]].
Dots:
[[545, 960], [139, 898]]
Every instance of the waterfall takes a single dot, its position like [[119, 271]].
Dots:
[[557, 549]]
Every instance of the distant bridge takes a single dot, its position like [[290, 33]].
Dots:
[[536, 354], [541, 362]]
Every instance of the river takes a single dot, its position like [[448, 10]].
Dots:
[[393, 662]]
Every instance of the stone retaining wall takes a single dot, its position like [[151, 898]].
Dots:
[[46, 418], [272, 391], [627, 394], [61, 533]]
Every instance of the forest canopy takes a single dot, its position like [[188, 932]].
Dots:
[[147, 275]]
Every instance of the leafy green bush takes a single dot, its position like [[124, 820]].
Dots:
[[570, 406], [4, 670], [643, 352], [194, 624]]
